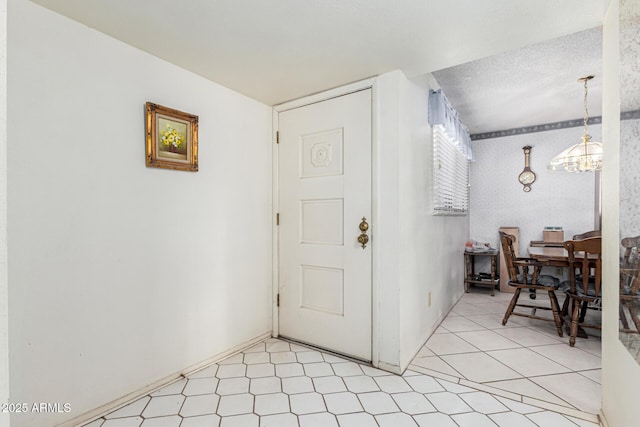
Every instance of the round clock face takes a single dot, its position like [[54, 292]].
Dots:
[[526, 178]]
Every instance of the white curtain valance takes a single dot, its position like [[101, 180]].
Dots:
[[442, 113]]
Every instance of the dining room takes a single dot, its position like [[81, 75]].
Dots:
[[544, 213], [508, 106], [520, 117], [547, 210]]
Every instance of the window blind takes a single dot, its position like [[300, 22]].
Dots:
[[450, 175]]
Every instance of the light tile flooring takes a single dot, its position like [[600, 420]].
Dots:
[[472, 372], [526, 357]]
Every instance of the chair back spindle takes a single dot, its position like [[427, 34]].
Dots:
[[518, 268], [506, 240], [630, 285], [630, 265]]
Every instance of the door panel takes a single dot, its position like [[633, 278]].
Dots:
[[324, 192], [328, 212]]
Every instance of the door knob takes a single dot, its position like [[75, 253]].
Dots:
[[363, 239]]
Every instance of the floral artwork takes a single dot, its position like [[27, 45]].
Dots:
[[171, 138]]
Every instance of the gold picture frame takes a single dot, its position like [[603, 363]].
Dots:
[[171, 138]]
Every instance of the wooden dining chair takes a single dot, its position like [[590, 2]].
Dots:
[[565, 286], [588, 234], [524, 273], [585, 261], [630, 284]]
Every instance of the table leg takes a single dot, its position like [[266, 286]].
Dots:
[[468, 270], [494, 262]]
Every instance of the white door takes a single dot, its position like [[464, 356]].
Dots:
[[324, 193]]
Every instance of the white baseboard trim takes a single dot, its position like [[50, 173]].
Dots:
[[102, 410], [602, 419], [394, 369]]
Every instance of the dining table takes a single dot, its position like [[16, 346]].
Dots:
[[552, 255], [556, 256]]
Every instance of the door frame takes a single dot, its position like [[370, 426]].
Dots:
[[301, 102]]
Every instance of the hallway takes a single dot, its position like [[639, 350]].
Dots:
[[472, 372]]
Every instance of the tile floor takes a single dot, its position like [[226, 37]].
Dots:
[[471, 373], [526, 357]]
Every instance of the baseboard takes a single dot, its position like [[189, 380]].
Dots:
[[602, 419], [394, 369], [404, 365], [100, 411]]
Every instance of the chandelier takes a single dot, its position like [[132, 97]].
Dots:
[[585, 156]]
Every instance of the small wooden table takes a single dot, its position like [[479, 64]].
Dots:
[[470, 275]]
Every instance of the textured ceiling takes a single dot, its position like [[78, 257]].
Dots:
[[533, 85], [278, 50]]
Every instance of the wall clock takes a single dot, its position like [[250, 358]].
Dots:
[[527, 176]]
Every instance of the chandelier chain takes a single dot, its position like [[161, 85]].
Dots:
[[586, 107]]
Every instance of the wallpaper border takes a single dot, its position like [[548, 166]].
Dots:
[[628, 115]]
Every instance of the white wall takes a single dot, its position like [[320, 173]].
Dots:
[[121, 275], [386, 212], [620, 372], [630, 196], [417, 252], [431, 246], [4, 306], [555, 199], [630, 177]]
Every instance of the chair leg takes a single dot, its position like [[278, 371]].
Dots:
[[634, 315], [565, 305], [512, 305], [623, 317], [555, 307], [574, 323], [583, 311]]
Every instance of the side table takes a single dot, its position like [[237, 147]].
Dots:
[[471, 277]]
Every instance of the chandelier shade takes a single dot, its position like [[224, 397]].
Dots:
[[585, 156]]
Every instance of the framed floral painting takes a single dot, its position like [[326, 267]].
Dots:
[[171, 138]]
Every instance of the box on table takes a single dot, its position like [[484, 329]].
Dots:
[[553, 235]]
